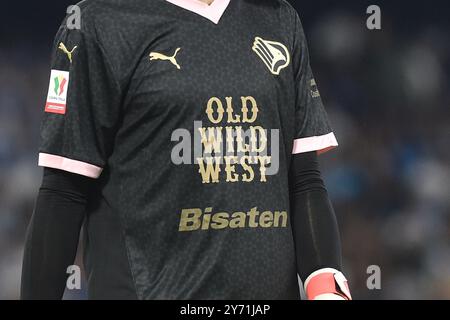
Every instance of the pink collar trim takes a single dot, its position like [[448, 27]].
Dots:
[[213, 12]]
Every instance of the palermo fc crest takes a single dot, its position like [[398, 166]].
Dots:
[[275, 55]]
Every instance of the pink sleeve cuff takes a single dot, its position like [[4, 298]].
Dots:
[[69, 165], [321, 144]]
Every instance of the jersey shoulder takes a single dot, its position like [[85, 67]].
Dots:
[[288, 12], [110, 15], [285, 14], [281, 14], [279, 5]]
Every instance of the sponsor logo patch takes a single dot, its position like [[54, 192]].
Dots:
[[57, 92]]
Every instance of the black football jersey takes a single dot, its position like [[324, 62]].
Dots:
[[187, 115]]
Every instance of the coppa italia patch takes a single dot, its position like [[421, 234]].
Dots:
[[57, 92]]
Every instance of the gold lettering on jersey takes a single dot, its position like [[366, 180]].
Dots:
[[240, 134], [219, 110], [160, 56], [209, 168], [246, 118], [215, 110], [211, 139], [230, 112], [196, 219]]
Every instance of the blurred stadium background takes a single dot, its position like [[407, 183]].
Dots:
[[387, 93]]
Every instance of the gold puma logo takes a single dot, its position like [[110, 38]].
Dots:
[[63, 48], [160, 56]]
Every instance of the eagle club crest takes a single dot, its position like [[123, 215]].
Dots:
[[274, 54]]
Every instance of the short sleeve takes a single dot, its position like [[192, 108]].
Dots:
[[313, 130], [82, 107]]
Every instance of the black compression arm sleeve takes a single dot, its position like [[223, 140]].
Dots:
[[314, 225], [53, 234]]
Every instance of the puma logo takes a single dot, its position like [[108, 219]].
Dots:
[[160, 56], [63, 48]]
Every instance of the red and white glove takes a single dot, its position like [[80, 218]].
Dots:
[[327, 284]]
